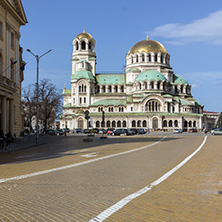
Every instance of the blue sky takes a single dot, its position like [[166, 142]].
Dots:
[[191, 32]]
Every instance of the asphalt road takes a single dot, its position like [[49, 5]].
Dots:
[[71, 180]]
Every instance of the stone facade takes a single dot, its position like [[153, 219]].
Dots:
[[147, 95], [12, 16]]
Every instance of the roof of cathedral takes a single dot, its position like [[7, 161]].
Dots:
[[148, 46], [83, 74], [110, 102], [150, 75], [180, 80], [110, 79], [85, 35]]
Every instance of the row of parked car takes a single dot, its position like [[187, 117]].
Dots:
[[111, 131]]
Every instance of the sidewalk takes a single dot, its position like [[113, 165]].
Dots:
[[23, 142]]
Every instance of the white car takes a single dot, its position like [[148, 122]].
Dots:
[[177, 131]]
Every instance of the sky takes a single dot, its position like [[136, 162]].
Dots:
[[191, 32]]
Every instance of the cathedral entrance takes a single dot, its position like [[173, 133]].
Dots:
[[155, 123], [80, 123]]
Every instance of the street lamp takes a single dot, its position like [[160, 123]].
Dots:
[[37, 86]]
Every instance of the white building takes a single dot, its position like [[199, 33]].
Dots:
[[148, 95]]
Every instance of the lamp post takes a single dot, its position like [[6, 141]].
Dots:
[[37, 95]]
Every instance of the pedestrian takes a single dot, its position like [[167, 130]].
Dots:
[[8, 138], [1, 138]]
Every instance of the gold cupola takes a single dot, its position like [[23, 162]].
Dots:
[[147, 46]]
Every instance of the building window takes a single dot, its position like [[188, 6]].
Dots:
[[122, 89], [119, 123], [12, 40], [108, 124], [153, 106], [124, 123], [97, 124], [80, 100], [170, 123], [144, 123], [83, 45], [110, 89], [133, 123], [113, 123], [84, 99]]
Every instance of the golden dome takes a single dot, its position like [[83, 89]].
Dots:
[[84, 35], [148, 46]]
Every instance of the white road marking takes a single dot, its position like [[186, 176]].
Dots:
[[90, 155], [76, 164], [111, 210]]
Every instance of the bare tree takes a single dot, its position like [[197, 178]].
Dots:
[[50, 104]]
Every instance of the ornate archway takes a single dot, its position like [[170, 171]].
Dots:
[[155, 123]]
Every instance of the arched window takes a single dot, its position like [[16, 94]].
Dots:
[[145, 85], [104, 89], [119, 123], [124, 123], [83, 45], [164, 123], [116, 89], [120, 109], [152, 105], [176, 90], [140, 86], [190, 123], [152, 85], [77, 46], [155, 58], [122, 88], [97, 123], [85, 88], [161, 58], [185, 123], [143, 58], [144, 123], [108, 123], [97, 89], [136, 58], [131, 59], [158, 85], [181, 88], [194, 124], [133, 123], [149, 58], [176, 123], [139, 123], [113, 123], [170, 123], [110, 89], [90, 46]]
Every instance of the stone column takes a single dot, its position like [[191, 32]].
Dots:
[[11, 116], [4, 115]]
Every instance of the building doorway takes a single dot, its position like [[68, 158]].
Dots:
[[155, 123], [80, 123]]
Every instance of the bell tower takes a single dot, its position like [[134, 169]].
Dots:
[[84, 50]]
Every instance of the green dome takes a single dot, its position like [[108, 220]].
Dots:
[[83, 74], [150, 75], [180, 80]]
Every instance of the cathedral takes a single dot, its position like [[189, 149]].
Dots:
[[147, 95]]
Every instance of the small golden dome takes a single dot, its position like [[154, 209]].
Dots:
[[148, 46], [84, 35]]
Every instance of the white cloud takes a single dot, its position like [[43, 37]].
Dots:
[[208, 29]]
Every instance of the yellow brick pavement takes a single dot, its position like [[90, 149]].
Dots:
[[189, 195]]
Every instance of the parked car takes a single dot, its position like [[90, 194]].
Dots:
[[134, 130], [178, 131], [110, 130], [50, 132], [119, 132], [78, 130], [66, 129], [192, 130], [90, 131], [217, 131], [141, 131], [59, 132]]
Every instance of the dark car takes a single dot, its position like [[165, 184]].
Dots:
[[59, 132], [119, 132], [50, 132], [141, 131], [134, 130], [78, 130], [193, 130]]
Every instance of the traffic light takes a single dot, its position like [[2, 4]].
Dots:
[[87, 114]]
